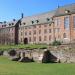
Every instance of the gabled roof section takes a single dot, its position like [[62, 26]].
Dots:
[[42, 18], [61, 10]]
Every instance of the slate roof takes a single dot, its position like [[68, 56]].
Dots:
[[42, 18], [61, 10]]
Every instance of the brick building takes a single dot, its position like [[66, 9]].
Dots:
[[58, 25]]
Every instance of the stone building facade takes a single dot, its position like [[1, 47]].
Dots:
[[58, 24]]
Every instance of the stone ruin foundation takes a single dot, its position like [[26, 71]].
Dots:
[[58, 54]]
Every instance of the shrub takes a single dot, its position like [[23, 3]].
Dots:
[[56, 43], [12, 52]]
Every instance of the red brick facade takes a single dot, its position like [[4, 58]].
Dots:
[[43, 28]]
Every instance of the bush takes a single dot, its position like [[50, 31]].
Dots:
[[12, 52], [56, 43]]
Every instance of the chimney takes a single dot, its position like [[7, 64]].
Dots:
[[22, 15]]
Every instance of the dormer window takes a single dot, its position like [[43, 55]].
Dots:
[[4, 21], [67, 11], [37, 21], [12, 23], [9, 24], [48, 19], [32, 22], [24, 23], [1, 22]]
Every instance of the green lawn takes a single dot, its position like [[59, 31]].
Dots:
[[28, 46], [8, 67]]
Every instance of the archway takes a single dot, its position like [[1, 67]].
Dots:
[[25, 40]]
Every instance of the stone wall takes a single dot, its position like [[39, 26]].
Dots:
[[61, 54], [64, 53]]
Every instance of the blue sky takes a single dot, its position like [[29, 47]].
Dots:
[[10, 9]]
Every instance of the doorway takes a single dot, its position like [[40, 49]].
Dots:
[[25, 40]]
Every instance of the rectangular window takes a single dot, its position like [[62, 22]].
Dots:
[[34, 38], [74, 21], [29, 27], [49, 30], [21, 34], [32, 22], [34, 31], [39, 26], [39, 38], [25, 33], [29, 39], [57, 30], [45, 31], [29, 32], [45, 38], [39, 31], [21, 39], [12, 34], [45, 25], [49, 37], [34, 26], [66, 22], [25, 27], [64, 35], [37, 21], [57, 22]]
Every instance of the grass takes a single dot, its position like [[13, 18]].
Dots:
[[8, 67], [28, 46]]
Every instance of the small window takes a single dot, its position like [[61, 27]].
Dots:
[[4, 21], [9, 29], [49, 24], [24, 23], [34, 38], [29, 27], [49, 37], [39, 31], [12, 29], [12, 34], [39, 26], [12, 23], [29, 39], [21, 33], [74, 21], [57, 22], [21, 40], [57, 30], [34, 26], [45, 38], [49, 30], [37, 21], [48, 19], [25, 33], [45, 31], [34, 31], [39, 38], [66, 22], [45, 25], [32, 22], [29, 32], [25, 27], [9, 24], [64, 35]]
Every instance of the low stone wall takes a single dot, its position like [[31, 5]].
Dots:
[[64, 53], [61, 54]]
